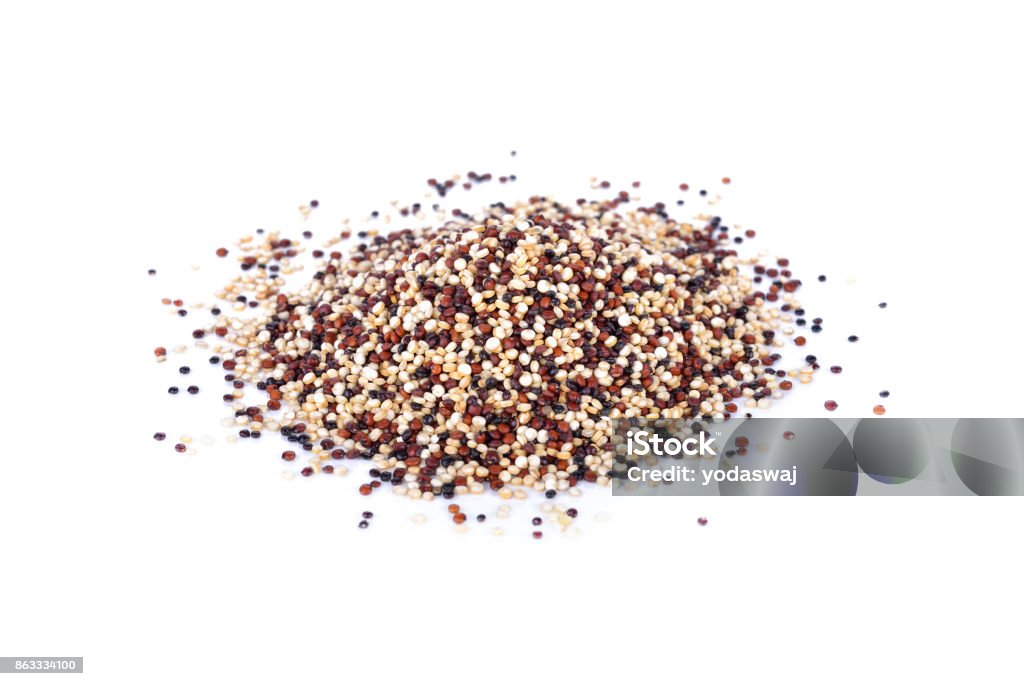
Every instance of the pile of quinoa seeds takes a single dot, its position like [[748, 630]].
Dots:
[[491, 350]]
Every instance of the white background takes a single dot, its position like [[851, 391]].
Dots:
[[880, 142]]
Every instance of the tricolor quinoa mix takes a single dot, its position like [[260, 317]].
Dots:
[[492, 350]]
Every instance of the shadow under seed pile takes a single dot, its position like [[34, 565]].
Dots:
[[491, 352]]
